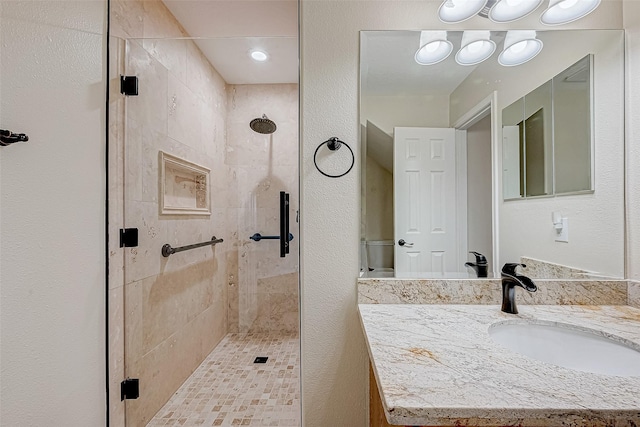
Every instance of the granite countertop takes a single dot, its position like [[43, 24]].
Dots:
[[436, 365]]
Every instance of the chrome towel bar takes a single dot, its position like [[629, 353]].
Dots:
[[168, 250]]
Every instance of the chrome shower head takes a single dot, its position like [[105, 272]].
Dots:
[[263, 125]]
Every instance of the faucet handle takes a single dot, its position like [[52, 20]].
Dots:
[[480, 259], [510, 268]]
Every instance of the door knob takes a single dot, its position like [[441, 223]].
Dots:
[[401, 242]]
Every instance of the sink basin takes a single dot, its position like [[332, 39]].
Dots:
[[570, 347]]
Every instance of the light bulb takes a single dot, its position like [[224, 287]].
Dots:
[[476, 46], [510, 10], [453, 11], [566, 4], [518, 47], [433, 47], [564, 11], [259, 55]]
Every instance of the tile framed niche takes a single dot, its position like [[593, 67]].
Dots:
[[184, 187]]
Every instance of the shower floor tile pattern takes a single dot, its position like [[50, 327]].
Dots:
[[228, 389]]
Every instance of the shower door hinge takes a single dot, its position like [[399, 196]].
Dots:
[[128, 237], [130, 389], [129, 85]]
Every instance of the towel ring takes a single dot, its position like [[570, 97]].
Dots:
[[334, 144]]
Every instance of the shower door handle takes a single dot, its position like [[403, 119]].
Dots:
[[284, 224]]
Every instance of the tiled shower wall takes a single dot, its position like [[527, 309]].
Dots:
[[167, 314], [264, 295], [634, 293], [174, 309]]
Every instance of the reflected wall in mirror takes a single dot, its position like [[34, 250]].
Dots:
[[546, 137], [435, 171]]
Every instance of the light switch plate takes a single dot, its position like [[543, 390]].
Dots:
[[563, 236]]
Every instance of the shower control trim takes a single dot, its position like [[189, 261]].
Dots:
[[256, 237]]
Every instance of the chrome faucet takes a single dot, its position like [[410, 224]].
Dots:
[[509, 282], [480, 266]]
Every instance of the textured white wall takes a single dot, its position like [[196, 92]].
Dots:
[[52, 280], [388, 112], [379, 201], [479, 228], [334, 359], [632, 27], [596, 222]]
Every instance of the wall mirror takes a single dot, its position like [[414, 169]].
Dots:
[[547, 140], [436, 172]]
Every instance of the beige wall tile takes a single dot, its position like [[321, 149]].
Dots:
[[159, 22], [116, 355], [133, 328], [171, 53], [263, 165], [150, 108], [145, 260], [178, 308], [634, 294], [127, 18]]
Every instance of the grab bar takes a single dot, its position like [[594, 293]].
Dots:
[[168, 250]]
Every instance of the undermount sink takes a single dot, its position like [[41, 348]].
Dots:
[[570, 347]]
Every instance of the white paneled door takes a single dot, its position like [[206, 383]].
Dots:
[[425, 201]]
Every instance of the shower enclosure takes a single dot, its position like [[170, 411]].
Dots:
[[188, 171]]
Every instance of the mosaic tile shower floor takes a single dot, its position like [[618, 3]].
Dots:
[[228, 389]]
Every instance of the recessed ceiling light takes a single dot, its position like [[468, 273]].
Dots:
[[520, 46], [434, 47], [476, 46], [511, 10], [453, 11], [259, 55], [564, 11]]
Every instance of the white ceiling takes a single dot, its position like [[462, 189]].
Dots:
[[226, 31]]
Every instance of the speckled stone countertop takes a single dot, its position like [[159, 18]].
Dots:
[[436, 365]]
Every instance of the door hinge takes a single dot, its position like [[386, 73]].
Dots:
[[130, 389], [129, 85], [128, 237]]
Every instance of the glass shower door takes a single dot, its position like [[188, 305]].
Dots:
[[174, 194]]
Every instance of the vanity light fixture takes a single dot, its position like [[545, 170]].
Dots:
[[520, 46], [510, 10], [564, 11], [454, 11], [434, 47], [258, 55], [476, 46]]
